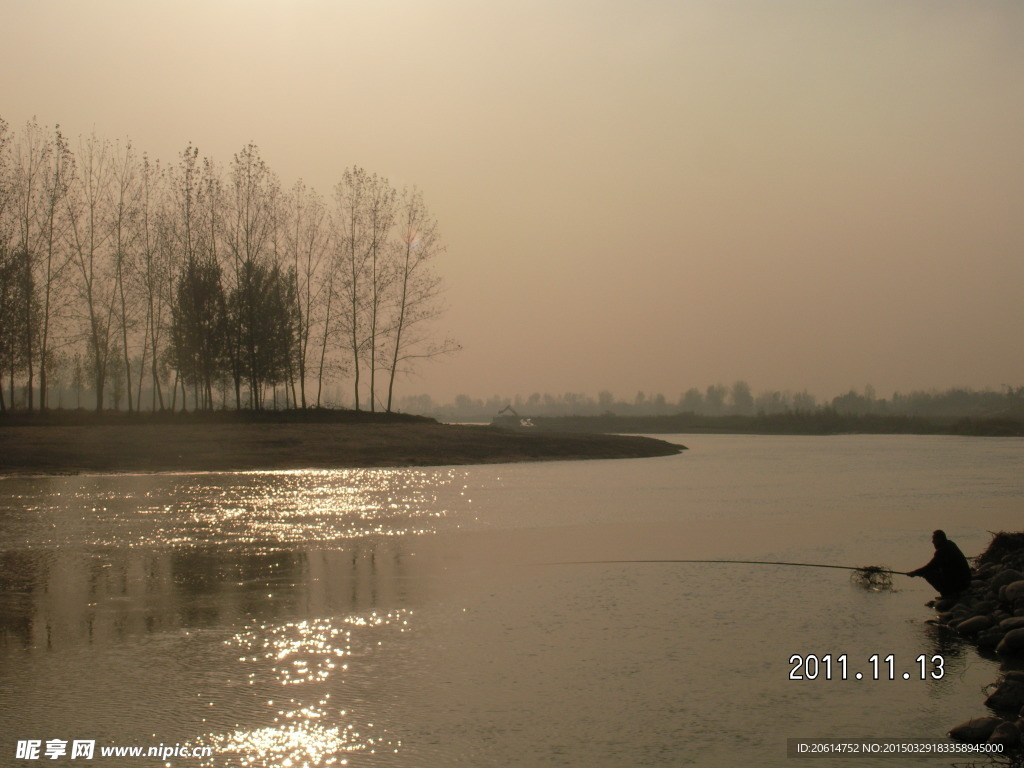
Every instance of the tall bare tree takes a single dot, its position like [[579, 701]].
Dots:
[[91, 235], [154, 267], [6, 184], [328, 322], [126, 236], [351, 256], [31, 157], [417, 290], [9, 268], [54, 256], [365, 212], [307, 240], [12, 299], [380, 221]]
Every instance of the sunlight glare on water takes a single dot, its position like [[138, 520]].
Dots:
[[313, 660], [248, 509]]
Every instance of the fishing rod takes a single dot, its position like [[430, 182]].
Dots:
[[861, 569], [873, 577]]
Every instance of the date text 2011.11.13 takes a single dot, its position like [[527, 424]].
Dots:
[[838, 667]]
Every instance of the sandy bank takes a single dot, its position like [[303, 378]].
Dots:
[[160, 447]]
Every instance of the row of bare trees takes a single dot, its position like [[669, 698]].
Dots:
[[193, 285]]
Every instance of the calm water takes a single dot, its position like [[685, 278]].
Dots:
[[423, 618]]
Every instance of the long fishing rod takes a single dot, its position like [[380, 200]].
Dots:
[[869, 568]]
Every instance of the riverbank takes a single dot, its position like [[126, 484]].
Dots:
[[823, 422], [224, 443], [991, 616]]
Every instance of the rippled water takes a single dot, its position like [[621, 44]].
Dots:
[[425, 617]]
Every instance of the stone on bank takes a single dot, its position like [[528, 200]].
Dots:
[[991, 614]]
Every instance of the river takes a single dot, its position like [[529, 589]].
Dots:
[[429, 617]]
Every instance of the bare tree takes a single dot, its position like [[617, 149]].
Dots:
[[307, 240], [126, 235], [363, 223], [54, 256], [6, 183], [12, 300], [77, 377], [9, 268], [351, 257], [328, 323], [380, 220], [91, 234], [155, 267], [417, 290], [31, 157]]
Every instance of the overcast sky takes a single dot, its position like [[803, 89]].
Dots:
[[643, 195]]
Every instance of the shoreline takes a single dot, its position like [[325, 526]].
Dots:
[[796, 423], [990, 617], [270, 443]]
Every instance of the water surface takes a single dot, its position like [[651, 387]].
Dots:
[[417, 617]]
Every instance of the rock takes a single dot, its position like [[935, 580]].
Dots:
[[1014, 622], [976, 731], [990, 638], [956, 615], [1012, 643], [1012, 592], [1008, 696], [945, 603], [986, 606], [1006, 734], [1004, 577], [972, 626]]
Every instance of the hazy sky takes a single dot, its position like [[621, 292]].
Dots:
[[653, 194]]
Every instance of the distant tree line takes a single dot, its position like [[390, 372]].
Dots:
[[718, 400], [191, 285]]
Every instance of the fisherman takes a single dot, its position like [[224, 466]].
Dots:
[[948, 571]]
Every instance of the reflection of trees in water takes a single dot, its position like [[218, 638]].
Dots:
[[18, 574], [54, 599], [368, 574]]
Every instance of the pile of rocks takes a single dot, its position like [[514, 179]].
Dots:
[[991, 615]]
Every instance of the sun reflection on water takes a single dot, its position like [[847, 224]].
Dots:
[[303, 745], [315, 729], [263, 510], [308, 650], [297, 558]]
